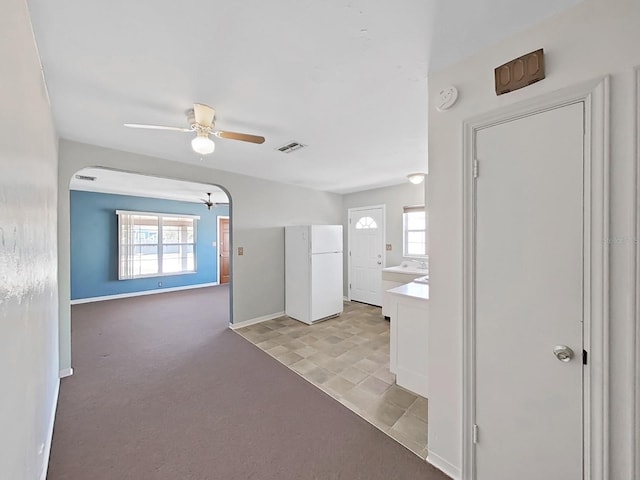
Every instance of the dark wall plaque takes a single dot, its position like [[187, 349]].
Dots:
[[520, 72]]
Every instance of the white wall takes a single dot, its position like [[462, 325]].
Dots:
[[394, 198], [259, 211], [28, 292], [593, 39]]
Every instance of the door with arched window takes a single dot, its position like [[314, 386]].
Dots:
[[366, 254]]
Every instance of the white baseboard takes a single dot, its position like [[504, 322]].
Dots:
[[346, 299], [139, 294], [65, 372], [253, 321], [441, 464], [47, 447]]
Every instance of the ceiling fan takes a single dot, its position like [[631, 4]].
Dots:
[[207, 201], [201, 120]]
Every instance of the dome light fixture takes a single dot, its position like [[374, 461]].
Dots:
[[416, 178], [202, 144]]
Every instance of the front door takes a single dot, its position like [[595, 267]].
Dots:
[[366, 240], [223, 249], [529, 297]]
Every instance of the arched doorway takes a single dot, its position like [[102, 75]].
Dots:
[[137, 235]]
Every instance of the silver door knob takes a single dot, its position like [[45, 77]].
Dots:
[[379, 262], [563, 353]]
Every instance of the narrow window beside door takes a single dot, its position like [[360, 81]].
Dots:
[[155, 244]]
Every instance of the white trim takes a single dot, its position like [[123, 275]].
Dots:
[[253, 321], [79, 301], [595, 95], [65, 372], [218, 218], [345, 299], [44, 469], [158, 214], [635, 441], [444, 466], [384, 241]]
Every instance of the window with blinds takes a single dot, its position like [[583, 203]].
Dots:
[[414, 231], [155, 244]]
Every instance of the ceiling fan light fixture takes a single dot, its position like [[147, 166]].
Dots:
[[416, 178], [201, 120], [202, 144]]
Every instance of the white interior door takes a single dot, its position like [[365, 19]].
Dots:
[[529, 297], [366, 240]]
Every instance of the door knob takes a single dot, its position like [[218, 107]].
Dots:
[[379, 262], [563, 353]]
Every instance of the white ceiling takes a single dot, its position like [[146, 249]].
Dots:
[[347, 78], [124, 183]]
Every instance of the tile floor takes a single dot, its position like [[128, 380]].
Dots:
[[348, 358]]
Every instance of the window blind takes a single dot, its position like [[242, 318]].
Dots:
[[154, 244]]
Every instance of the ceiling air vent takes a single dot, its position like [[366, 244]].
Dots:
[[87, 178], [290, 147]]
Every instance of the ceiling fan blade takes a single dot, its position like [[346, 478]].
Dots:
[[245, 137], [157, 127], [203, 114]]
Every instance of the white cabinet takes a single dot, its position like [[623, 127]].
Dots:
[[408, 336], [394, 277]]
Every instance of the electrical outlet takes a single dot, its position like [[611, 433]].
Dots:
[[240, 250], [388, 247]]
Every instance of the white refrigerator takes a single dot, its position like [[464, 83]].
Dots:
[[313, 272]]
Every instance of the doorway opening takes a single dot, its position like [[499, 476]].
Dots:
[[136, 235], [224, 249]]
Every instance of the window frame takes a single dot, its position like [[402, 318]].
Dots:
[[368, 223], [405, 231], [160, 244]]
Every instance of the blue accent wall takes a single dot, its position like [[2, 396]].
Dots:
[[94, 244]]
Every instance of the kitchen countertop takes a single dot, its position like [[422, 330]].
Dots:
[[406, 269], [413, 290]]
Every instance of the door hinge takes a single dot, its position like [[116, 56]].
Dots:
[[584, 357], [474, 434], [349, 252], [476, 168], [349, 286]]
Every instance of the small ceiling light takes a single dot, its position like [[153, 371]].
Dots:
[[416, 178], [202, 144]]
